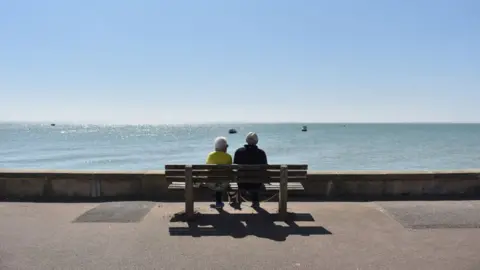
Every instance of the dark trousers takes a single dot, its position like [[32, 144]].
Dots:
[[218, 196], [252, 188]]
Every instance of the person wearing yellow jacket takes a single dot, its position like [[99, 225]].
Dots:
[[219, 157]]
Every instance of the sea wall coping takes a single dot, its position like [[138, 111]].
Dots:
[[33, 184]]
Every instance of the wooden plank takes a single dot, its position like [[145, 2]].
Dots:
[[236, 166], [181, 185], [231, 173], [229, 179], [255, 180], [232, 167], [213, 179], [297, 167], [277, 178], [196, 173], [267, 173], [214, 173], [177, 185], [283, 196], [189, 192], [175, 178], [175, 173], [267, 179], [292, 186], [275, 187], [204, 179], [258, 167], [271, 167], [174, 167], [256, 174], [294, 178], [199, 167]]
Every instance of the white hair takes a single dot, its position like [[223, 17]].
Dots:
[[252, 138], [220, 143]]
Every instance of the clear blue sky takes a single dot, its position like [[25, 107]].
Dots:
[[180, 61]]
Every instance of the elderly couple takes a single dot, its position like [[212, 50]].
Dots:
[[248, 154]]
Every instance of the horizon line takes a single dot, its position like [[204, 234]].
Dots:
[[233, 123]]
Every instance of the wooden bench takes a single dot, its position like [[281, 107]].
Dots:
[[265, 174]]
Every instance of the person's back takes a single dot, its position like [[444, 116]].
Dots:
[[251, 154], [219, 158]]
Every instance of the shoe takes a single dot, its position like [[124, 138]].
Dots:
[[219, 205], [236, 205]]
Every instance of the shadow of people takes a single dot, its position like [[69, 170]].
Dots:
[[220, 224], [263, 225], [260, 224], [228, 224]]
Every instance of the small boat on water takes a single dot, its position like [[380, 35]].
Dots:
[[52, 125], [232, 131], [304, 128]]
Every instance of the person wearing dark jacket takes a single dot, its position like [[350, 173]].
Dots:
[[251, 154]]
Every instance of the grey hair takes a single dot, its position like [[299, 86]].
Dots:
[[252, 138], [220, 143]]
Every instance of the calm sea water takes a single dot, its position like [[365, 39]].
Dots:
[[323, 147]]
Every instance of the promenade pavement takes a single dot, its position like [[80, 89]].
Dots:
[[319, 235]]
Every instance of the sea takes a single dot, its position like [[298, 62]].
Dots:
[[329, 147]]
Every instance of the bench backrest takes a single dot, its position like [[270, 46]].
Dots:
[[236, 173]]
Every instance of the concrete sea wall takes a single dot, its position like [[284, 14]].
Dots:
[[52, 185]]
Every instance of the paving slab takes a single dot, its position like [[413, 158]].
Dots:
[[122, 212], [431, 215]]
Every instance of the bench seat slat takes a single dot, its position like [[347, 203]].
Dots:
[[234, 186], [274, 186], [236, 166], [242, 173], [210, 179], [228, 179], [231, 173]]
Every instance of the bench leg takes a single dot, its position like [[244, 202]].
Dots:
[[189, 193], [283, 195]]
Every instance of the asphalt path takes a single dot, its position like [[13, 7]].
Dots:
[[318, 235]]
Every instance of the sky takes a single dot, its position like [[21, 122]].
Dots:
[[166, 62]]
